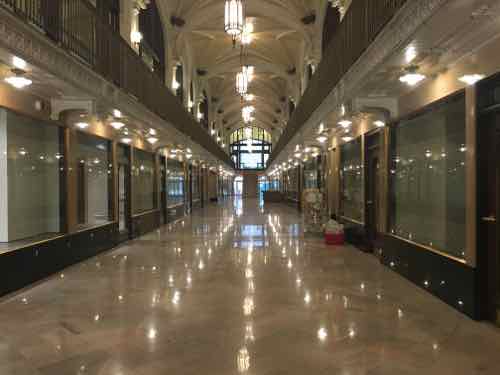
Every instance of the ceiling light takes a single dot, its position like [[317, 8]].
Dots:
[[242, 82], [18, 82], [379, 124], [152, 140], [189, 156], [250, 72], [126, 140], [345, 123], [233, 17], [249, 97], [246, 36], [410, 54], [82, 125], [117, 125], [347, 139], [117, 113], [322, 139], [19, 63], [298, 155], [412, 79], [471, 79]]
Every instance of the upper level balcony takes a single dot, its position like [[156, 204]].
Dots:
[[92, 38]]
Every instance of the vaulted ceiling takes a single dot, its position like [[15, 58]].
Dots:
[[286, 36]]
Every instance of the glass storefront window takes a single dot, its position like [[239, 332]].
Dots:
[[93, 173], [311, 175], [428, 178], [143, 180], [195, 185], [351, 171], [175, 183], [34, 166]]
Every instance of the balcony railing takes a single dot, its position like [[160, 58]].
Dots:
[[75, 26], [359, 28]]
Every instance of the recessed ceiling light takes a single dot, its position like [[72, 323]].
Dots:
[[18, 82], [471, 79], [412, 79]]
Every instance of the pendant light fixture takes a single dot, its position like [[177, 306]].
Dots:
[[233, 18], [242, 82]]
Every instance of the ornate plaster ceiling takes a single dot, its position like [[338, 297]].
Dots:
[[282, 45]]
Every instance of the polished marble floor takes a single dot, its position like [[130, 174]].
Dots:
[[237, 289]]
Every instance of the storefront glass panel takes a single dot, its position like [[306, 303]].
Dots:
[[93, 174], [428, 178], [351, 170], [32, 183], [143, 179]]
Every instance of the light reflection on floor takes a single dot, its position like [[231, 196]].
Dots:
[[234, 290]]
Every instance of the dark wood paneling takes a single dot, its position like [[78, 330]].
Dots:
[[32, 263], [451, 281], [144, 223], [175, 213]]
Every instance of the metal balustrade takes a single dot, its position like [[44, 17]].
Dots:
[[359, 28], [75, 26]]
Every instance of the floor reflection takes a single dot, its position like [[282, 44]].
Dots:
[[237, 288]]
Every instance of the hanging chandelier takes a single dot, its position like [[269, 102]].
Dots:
[[248, 136], [246, 113], [242, 83], [233, 18]]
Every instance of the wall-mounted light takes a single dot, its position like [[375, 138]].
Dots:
[[322, 139], [18, 81], [379, 124], [347, 139], [82, 125], [126, 140], [345, 123], [117, 125], [152, 140], [471, 79], [19, 63], [412, 79], [135, 36], [117, 113], [410, 54]]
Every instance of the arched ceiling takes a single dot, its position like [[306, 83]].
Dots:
[[282, 41]]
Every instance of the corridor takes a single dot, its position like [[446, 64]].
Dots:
[[237, 288]]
